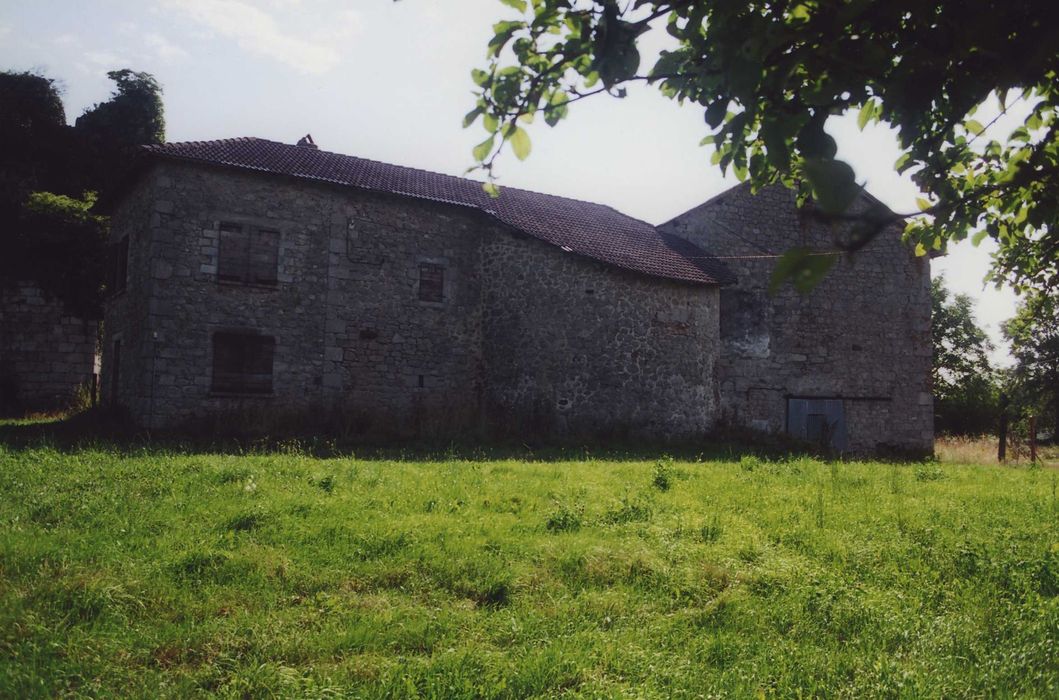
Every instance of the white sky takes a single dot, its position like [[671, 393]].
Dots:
[[391, 81]]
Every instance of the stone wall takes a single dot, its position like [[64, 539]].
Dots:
[[862, 335], [517, 341], [46, 355], [573, 346], [126, 375]]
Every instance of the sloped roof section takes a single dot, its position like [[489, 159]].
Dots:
[[588, 229]]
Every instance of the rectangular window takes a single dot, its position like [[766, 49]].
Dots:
[[247, 254], [118, 266], [242, 363], [431, 282]]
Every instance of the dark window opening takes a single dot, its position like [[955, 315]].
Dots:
[[247, 254], [421, 383], [242, 363], [118, 266], [431, 282]]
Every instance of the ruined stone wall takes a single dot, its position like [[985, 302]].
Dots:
[[525, 336], [573, 346], [862, 335], [46, 355]]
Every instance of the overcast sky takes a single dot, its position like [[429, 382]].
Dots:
[[391, 81]]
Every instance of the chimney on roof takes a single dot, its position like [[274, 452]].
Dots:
[[307, 141]]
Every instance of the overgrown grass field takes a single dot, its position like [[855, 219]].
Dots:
[[154, 573]]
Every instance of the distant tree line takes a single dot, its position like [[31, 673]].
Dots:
[[52, 173], [969, 392]]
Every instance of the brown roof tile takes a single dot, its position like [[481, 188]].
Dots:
[[593, 230]]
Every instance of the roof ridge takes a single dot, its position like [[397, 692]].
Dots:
[[460, 178], [598, 231]]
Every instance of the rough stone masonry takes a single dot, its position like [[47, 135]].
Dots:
[[269, 278], [46, 354]]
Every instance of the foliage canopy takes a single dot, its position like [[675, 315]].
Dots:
[[51, 173], [769, 75], [965, 385], [1034, 337]]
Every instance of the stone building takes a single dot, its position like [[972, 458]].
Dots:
[[46, 354], [265, 277], [851, 358]]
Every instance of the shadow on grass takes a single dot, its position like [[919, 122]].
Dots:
[[100, 429]]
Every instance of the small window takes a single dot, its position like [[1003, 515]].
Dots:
[[118, 266], [242, 363], [431, 282], [247, 254]]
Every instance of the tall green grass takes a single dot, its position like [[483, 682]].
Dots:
[[148, 573]]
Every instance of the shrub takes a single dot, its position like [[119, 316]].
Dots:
[[663, 474], [629, 511], [564, 518], [929, 472], [749, 463]]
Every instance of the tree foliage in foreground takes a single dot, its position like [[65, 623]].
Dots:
[[768, 76], [51, 173], [965, 385]]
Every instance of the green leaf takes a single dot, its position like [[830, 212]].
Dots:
[[902, 162], [519, 5], [716, 113], [973, 126], [491, 189], [479, 76], [491, 123], [801, 267], [557, 108], [482, 150], [800, 12], [920, 250], [520, 143], [471, 116], [978, 237], [776, 145], [923, 204], [834, 184], [865, 114], [816, 143]]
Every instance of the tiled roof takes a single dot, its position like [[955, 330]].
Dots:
[[593, 230]]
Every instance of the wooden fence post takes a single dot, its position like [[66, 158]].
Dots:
[[1002, 447], [1033, 439]]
